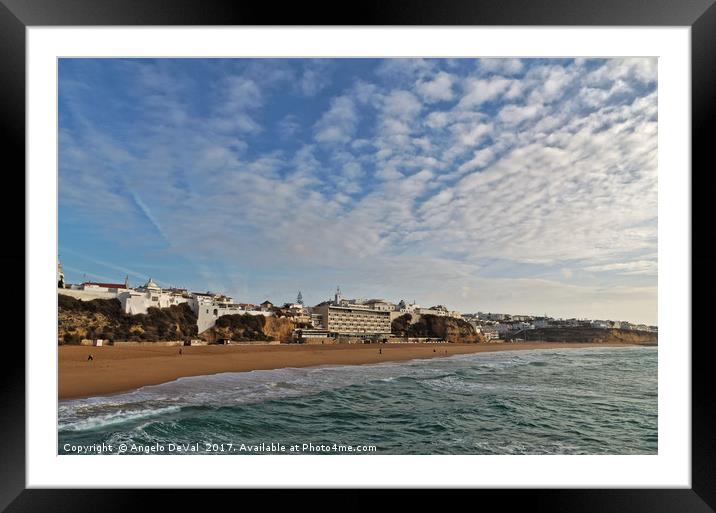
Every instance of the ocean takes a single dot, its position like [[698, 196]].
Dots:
[[550, 401]]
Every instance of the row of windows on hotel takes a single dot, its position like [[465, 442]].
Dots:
[[373, 324], [355, 319], [355, 316], [359, 325]]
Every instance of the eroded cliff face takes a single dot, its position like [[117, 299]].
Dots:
[[280, 328], [433, 326], [247, 327], [104, 318], [456, 330], [591, 335]]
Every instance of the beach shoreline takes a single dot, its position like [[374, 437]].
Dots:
[[122, 369]]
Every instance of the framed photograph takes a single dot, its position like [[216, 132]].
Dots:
[[446, 247]]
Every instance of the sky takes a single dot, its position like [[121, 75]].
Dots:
[[523, 186]]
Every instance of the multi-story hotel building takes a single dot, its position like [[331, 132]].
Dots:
[[356, 321]]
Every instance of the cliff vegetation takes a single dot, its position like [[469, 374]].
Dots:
[[104, 318]]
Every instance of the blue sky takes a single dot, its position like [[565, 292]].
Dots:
[[503, 185]]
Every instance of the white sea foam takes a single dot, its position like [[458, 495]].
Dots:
[[118, 417]]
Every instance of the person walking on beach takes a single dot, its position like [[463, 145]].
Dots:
[[380, 350], [180, 351], [90, 358]]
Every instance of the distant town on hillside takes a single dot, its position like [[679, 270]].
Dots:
[[339, 316]]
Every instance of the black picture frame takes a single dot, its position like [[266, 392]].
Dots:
[[700, 15]]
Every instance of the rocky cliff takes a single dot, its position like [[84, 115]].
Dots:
[[104, 318], [588, 335], [249, 327], [435, 326]]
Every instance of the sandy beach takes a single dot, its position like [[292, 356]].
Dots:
[[119, 369]]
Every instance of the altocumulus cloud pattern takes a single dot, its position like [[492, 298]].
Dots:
[[521, 185]]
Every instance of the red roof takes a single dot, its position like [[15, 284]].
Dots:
[[106, 285]]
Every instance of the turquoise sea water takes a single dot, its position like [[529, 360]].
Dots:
[[554, 401]]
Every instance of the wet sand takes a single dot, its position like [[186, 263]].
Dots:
[[119, 369]]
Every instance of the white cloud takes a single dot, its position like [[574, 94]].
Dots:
[[515, 114], [243, 93], [471, 134], [638, 69], [313, 80], [437, 120], [437, 89], [339, 123], [395, 122], [595, 97], [353, 170], [501, 66], [480, 159], [237, 122], [551, 83], [366, 93], [402, 105], [466, 135], [393, 70], [478, 91], [388, 173], [240, 96], [635, 267], [289, 126]]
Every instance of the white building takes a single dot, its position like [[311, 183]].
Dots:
[[60, 276], [345, 320], [404, 307], [541, 323], [90, 290], [489, 332], [380, 304], [209, 307], [430, 311], [139, 300]]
